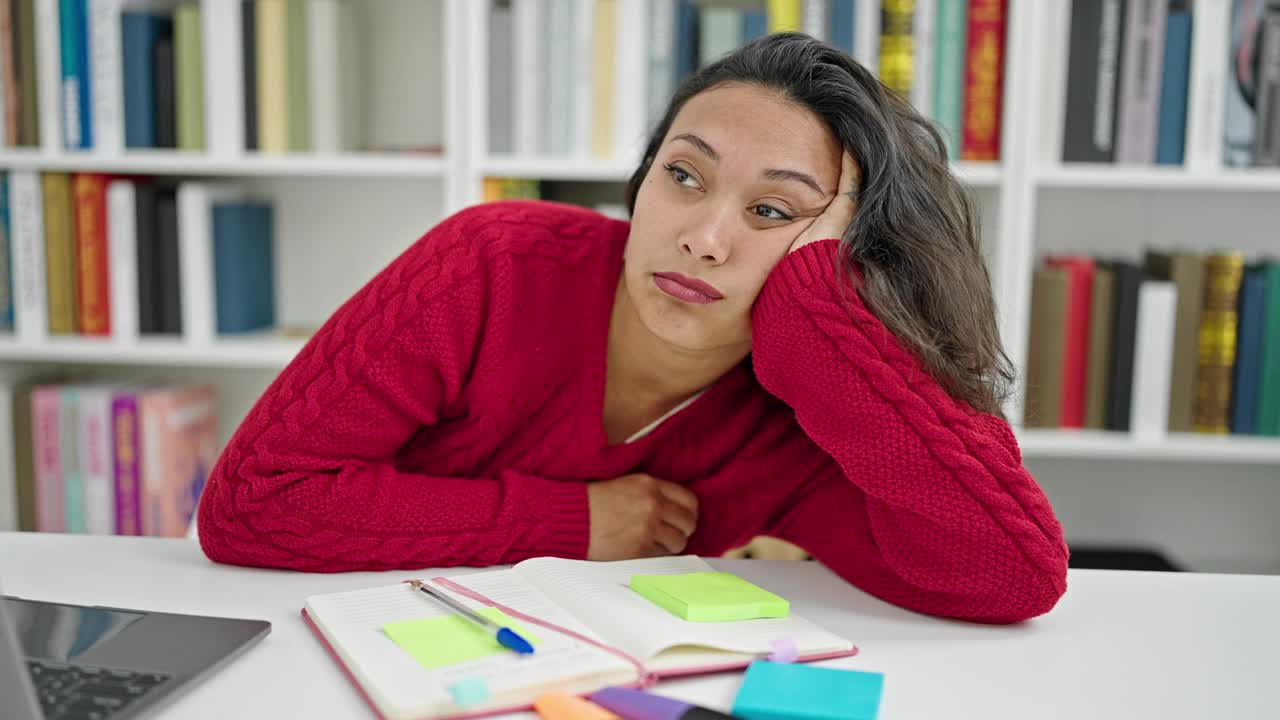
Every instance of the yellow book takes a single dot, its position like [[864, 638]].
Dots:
[[1218, 323], [784, 15], [272, 39], [895, 45], [603, 57], [59, 248], [492, 189]]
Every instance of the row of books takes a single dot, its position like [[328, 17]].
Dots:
[[596, 92], [598, 196], [89, 254], [112, 459], [132, 75], [1181, 342]]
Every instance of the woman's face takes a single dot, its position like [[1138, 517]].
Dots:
[[738, 177]]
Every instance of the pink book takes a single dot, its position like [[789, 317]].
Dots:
[[179, 447], [46, 405], [588, 628]]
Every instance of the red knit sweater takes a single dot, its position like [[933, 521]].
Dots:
[[450, 413]]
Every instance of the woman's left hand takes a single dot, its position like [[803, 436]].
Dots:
[[839, 213]]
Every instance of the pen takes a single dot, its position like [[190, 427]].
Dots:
[[505, 636]]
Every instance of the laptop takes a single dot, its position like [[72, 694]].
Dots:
[[74, 662]]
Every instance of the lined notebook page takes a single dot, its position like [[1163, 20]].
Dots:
[[353, 622], [597, 593]]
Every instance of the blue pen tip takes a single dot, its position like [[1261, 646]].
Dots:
[[509, 639]]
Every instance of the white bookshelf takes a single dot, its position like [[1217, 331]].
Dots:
[[345, 214]]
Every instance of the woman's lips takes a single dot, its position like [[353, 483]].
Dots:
[[686, 288]]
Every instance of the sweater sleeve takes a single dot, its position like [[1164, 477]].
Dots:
[[925, 502], [309, 482]]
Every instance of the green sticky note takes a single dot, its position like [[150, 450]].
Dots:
[[438, 641], [709, 596]]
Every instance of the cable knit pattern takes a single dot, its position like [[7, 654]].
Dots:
[[450, 413]]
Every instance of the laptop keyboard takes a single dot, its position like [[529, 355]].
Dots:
[[81, 692]]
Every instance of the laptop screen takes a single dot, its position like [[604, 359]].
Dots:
[[64, 632]]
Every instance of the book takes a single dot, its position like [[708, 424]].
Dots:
[[604, 60], [249, 70], [1171, 130], [951, 30], [59, 248], [984, 81], [104, 64], [188, 50], [140, 31], [1266, 141], [1075, 351], [1127, 287], [1097, 373], [895, 45], [1240, 113], [179, 444], [296, 71], [1140, 86], [1219, 322], [590, 631], [243, 267], [77, 95], [271, 58], [1248, 370], [1186, 272], [93, 295], [1269, 382], [1094, 64], [164, 80], [1152, 359], [1045, 347]]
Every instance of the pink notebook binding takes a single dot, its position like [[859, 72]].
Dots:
[[576, 579]]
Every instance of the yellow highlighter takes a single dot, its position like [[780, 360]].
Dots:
[[556, 705]]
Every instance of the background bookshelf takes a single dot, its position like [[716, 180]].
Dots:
[[427, 83]]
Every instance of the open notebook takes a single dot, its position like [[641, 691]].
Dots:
[[593, 632]]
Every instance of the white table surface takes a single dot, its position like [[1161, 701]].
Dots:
[[1119, 644]]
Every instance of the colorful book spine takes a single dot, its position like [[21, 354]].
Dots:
[[1076, 342], [95, 460], [126, 440], [179, 447], [9, 75], [139, 31], [271, 57], [297, 71], [949, 72], [1219, 322], [69, 459], [188, 48], [77, 95], [1269, 383], [840, 31], [896, 55], [984, 81], [1045, 347], [59, 243], [785, 15], [1171, 130], [92, 257], [1098, 376], [243, 267], [7, 253], [1143, 48], [45, 411], [1245, 383]]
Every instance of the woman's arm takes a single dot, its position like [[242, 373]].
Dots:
[[926, 502], [308, 482]]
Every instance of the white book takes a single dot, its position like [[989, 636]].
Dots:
[[222, 34], [557, 127], [195, 256], [333, 41], [1143, 51], [107, 86], [662, 30], [529, 68], [1207, 85], [97, 456], [866, 41], [719, 33], [122, 261], [590, 599], [814, 18], [49, 76], [630, 84], [923, 46], [584, 24], [26, 238], [1153, 358]]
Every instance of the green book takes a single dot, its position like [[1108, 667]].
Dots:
[[189, 60], [1269, 383], [296, 76], [948, 75], [709, 596]]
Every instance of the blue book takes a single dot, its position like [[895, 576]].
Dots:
[[686, 47], [841, 18], [755, 24], [1172, 123], [6, 257], [77, 95], [1248, 370], [243, 267], [139, 31]]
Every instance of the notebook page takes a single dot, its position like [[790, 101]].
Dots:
[[597, 593], [401, 687]]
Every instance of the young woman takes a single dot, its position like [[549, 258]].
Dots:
[[793, 337]]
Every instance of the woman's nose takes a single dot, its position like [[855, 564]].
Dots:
[[708, 241]]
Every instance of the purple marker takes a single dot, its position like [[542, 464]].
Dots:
[[639, 705]]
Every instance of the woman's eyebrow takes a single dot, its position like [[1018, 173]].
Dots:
[[774, 174]]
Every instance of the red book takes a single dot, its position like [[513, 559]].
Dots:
[[1075, 364], [93, 314], [983, 81]]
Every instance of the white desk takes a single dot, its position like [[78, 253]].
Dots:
[[1120, 644]]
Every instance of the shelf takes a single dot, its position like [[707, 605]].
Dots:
[[252, 351], [173, 162], [1174, 447], [613, 170], [1157, 178]]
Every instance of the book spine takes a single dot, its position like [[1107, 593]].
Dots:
[[814, 18], [93, 314], [8, 257], [1266, 141], [630, 80], [24, 24], [95, 461], [243, 267], [195, 257], [9, 74], [189, 90], [840, 31], [1172, 123], [1140, 85], [47, 67], [1219, 322], [29, 277], [603, 62], [984, 81], [168, 268], [164, 79], [1049, 288], [296, 72], [924, 46], [1127, 287], [59, 253], [1089, 127], [1245, 381], [138, 31], [505, 75], [720, 33], [949, 71], [1239, 120], [662, 34], [895, 45], [1095, 406], [1153, 359], [69, 458], [45, 407], [581, 70], [224, 92], [126, 438], [122, 253], [558, 125], [1269, 392], [784, 15], [526, 73], [1075, 360], [271, 58], [249, 43], [107, 74], [76, 92]]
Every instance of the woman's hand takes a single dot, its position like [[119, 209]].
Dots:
[[637, 516], [839, 213]]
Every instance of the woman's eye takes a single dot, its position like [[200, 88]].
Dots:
[[681, 176], [769, 212]]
